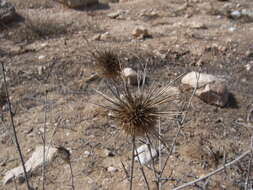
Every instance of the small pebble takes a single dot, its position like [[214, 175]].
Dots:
[[109, 153], [112, 169], [86, 154], [41, 57]]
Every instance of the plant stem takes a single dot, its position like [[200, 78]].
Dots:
[[14, 129], [132, 164]]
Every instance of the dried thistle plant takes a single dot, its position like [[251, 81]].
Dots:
[[137, 113], [106, 63]]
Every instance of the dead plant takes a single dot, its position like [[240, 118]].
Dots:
[[105, 63]]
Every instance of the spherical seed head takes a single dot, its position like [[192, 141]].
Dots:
[[106, 63], [138, 118], [137, 113]]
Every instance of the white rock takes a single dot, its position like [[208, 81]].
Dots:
[[44, 44], [112, 169], [96, 37], [195, 79], [248, 14], [108, 153], [105, 36], [235, 14], [111, 114], [140, 32], [41, 70], [114, 14], [87, 153], [232, 29], [248, 67], [32, 164], [130, 75], [197, 25], [144, 155], [214, 93], [41, 57]]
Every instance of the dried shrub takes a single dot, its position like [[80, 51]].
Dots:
[[32, 4], [39, 28], [106, 63]]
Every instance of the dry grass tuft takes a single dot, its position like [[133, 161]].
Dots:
[[39, 28], [106, 63], [44, 27]]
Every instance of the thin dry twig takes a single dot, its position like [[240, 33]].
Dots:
[[152, 159], [125, 170], [160, 156], [44, 144], [142, 169], [72, 176], [15, 183], [248, 173], [215, 171], [132, 165], [14, 129], [180, 124], [66, 157]]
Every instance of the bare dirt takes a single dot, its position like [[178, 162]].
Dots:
[[197, 36]]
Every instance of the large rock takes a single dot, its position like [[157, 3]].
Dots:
[[210, 89], [78, 3], [35, 162], [145, 154], [214, 93], [195, 79], [7, 12], [140, 32]]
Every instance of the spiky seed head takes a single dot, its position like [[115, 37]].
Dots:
[[106, 63], [137, 113], [136, 117]]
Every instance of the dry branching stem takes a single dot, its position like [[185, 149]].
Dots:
[[142, 169], [44, 144], [248, 172], [72, 176], [132, 164], [14, 129], [215, 171]]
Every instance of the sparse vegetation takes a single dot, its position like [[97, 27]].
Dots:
[[33, 4], [39, 28], [52, 88]]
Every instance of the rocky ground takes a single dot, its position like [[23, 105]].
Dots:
[[47, 51]]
